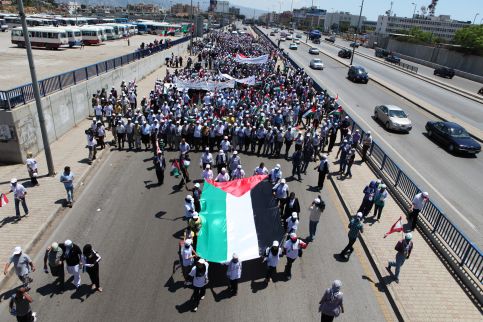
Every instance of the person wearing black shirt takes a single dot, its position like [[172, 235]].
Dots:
[[292, 205], [72, 257], [90, 259]]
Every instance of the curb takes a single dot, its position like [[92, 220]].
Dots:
[[53, 215], [406, 96], [398, 309]]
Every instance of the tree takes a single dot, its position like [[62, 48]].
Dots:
[[420, 35], [470, 37]]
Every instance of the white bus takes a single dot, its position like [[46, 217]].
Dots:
[[91, 35], [46, 37], [74, 35], [109, 32]]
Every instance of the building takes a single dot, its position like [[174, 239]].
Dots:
[[183, 10], [5, 3], [441, 26], [72, 7], [342, 21], [285, 18], [143, 8], [270, 18], [309, 18], [369, 25], [222, 7], [234, 11]]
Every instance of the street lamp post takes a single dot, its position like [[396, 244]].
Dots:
[[414, 11], [35, 87], [355, 34], [475, 17], [192, 29]]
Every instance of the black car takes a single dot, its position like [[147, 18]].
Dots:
[[345, 53], [444, 72], [393, 59], [316, 41], [453, 137], [380, 52], [358, 74], [354, 44]]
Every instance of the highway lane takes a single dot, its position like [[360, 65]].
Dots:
[[457, 81], [134, 226], [452, 181]]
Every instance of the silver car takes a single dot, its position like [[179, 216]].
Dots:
[[313, 51], [316, 63], [293, 46], [393, 118]]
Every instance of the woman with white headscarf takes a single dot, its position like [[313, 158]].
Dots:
[[331, 303]]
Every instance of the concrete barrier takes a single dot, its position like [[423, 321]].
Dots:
[[65, 109]]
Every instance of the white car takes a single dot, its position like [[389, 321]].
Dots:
[[282, 38], [393, 117], [297, 41], [289, 37], [293, 46], [314, 51], [316, 63]]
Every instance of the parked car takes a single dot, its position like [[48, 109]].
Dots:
[[354, 44], [298, 36], [293, 46], [330, 39], [345, 53], [393, 118], [316, 63], [380, 52], [272, 34], [282, 39], [393, 59], [316, 41], [444, 72], [480, 91], [358, 74], [453, 137], [313, 51], [297, 41], [289, 37]]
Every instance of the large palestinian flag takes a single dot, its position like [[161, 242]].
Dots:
[[239, 216]]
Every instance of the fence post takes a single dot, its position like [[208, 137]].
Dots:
[[87, 74], [468, 248], [43, 87], [372, 147], [73, 76], [383, 161], [106, 65], [60, 82], [97, 69], [23, 95], [438, 220]]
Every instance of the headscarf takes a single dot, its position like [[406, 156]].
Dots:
[[335, 290]]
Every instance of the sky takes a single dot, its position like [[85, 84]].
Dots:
[[464, 10]]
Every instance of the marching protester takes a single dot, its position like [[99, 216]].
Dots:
[[90, 263], [292, 205], [316, 209], [159, 166], [403, 248], [323, 170], [54, 258], [19, 193], [32, 168], [293, 248], [23, 266], [20, 306], [272, 257], [199, 273], [379, 201], [188, 255], [355, 227], [72, 257], [331, 304], [233, 272], [67, 178]]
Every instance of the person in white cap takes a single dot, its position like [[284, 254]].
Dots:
[[234, 161], [281, 191], [272, 257], [292, 223], [366, 144], [293, 248], [260, 170], [275, 174], [206, 158], [316, 209], [199, 272], [223, 176], [403, 248], [355, 226], [379, 201], [54, 258], [225, 145], [72, 257], [331, 305], [195, 224], [238, 173], [19, 193], [188, 254], [220, 161], [207, 173], [23, 266], [233, 273], [419, 201], [323, 170], [189, 207]]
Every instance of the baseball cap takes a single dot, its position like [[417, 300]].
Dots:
[[55, 246], [17, 250], [188, 242], [275, 243], [409, 236], [197, 185], [68, 243], [317, 200], [293, 235], [359, 215], [202, 261], [425, 194], [294, 215], [14, 180], [283, 181]]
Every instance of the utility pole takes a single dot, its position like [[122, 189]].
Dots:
[[35, 87], [355, 34], [192, 29]]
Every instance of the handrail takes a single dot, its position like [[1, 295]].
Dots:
[[24, 93], [464, 251]]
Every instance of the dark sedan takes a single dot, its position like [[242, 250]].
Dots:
[[453, 137], [393, 59], [444, 72], [345, 53], [354, 44]]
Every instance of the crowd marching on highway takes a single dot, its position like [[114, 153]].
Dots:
[[280, 115]]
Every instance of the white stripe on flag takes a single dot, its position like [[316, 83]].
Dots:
[[240, 226]]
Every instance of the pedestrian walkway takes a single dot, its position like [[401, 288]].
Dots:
[[426, 290], [46, 200]]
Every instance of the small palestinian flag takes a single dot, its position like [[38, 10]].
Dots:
[[239, 216], [310, 112], [3, 200], [175, 170]]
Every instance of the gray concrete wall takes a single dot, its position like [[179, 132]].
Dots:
[[466, 65], [65, 109]]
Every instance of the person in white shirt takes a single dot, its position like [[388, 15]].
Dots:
[[187, 259], [234, 161], [418, 203], [272, 257], [189, 207], [31, 164], [233, 273], [225, 145], [199, 272], [238, 173], [19, 193], [260, 170], [316, 209], [292, 223], [98, 112], [275, 174], [91, 145], [223, 176], [280, 191], [293, 248], [206, 158], [207, 174]]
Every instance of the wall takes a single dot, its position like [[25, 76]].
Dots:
[[63, 110], [434, 57]]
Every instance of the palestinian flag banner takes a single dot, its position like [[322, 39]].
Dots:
[[3, 200], [239, 216], [310, 112]]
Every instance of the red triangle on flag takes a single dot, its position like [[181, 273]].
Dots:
[[396, 227], [239, 187]]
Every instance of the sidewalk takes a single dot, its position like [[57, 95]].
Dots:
[[46, 200], [426, 290]]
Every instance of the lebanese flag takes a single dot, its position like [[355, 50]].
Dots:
[[396, 227], [239, 216], [3, 200], [336, 98]]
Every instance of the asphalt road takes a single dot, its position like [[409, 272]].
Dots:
[[452, 181], [134, 226]]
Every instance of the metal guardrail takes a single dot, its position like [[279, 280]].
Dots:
[[23, 94], [464, 251], [411, 68]]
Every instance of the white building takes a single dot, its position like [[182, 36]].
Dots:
[[441, 26], [337, 20], [73, 7], [222, 7]]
